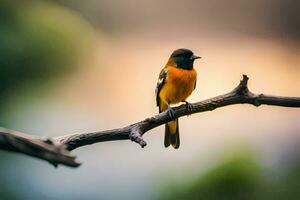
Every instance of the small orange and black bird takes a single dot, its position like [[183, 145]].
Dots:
[[176, 82]]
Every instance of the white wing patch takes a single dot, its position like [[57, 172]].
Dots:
[[160, 83]]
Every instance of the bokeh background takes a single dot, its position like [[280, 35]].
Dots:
[[71, 66]]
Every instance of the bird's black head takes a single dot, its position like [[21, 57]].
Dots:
[[183, 58]]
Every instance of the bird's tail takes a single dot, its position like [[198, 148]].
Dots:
[[172, 134], [171, 129]]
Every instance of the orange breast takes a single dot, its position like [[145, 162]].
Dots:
[[179, 85]]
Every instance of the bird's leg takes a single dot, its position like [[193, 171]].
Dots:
[[171, 112], [189, 107]]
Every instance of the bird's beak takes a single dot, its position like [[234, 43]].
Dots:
[[194, 57]]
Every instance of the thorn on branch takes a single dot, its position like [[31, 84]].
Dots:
[[244, 81], [136, 136], [242, 88]]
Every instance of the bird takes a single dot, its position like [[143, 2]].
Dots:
[[176, 82]]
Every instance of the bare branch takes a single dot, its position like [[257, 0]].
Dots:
[[134, 132], [56, 150], [36, 147]]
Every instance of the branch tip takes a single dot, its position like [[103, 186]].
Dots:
[[245, 76], [244, 81]]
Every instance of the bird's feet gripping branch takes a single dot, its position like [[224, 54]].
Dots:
[[189, 107], [171, 113]]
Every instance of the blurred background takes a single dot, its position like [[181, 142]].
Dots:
[[71, 66]]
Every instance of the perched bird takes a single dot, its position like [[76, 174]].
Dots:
[[176, 82]]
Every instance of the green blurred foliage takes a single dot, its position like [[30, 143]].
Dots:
[[287, 186], [237, 178], [39, 40]]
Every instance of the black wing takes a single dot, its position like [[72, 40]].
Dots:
[[160, 83]]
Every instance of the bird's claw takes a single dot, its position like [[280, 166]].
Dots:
[[189, 107], [171, 113]]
